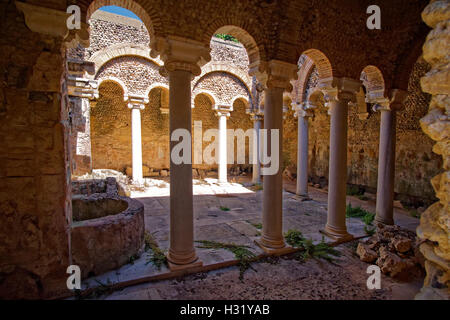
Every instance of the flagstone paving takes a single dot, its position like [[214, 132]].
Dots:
[[230, 213]]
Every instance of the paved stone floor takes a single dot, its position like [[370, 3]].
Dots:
[[230, 213]]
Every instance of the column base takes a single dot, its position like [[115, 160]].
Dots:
[[272, 243], [302, 197], [339, 235], [381, 220], [181, 259], [178, 267], [275, 251]]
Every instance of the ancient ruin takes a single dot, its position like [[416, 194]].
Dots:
[[354, 122]]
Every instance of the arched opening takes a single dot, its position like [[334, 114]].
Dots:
[[111, 128]]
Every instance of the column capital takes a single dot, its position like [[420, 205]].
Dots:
[[278, 74], [303, 109], [181, 54], [137, 102], [394, 102], [340, 89], [223, 110]]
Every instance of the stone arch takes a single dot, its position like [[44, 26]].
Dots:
[[164, 95], [211, 96], [242, 98], [307, 66], [136, 72], [101, 57], [227, 68], [322, 63], [149, 16], [162, 86], [255, 55], [373, 81], [220, 84], [117, 81]]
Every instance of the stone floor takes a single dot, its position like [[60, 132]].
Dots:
[[230, 213]]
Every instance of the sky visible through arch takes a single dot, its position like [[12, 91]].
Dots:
[[120, 11]]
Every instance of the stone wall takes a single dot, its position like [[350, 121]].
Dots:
[[434, 229], [35, 207]]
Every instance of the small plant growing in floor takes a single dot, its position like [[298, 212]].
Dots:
[[224, 208], [157, 256], [363, 197], [307, 249], [414, 213], [258, 187], [241, 253], [364, 215], [133, 258], [257, 225]]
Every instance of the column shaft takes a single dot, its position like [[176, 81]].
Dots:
[[386, 168], [338, 170], [136, 144], [256, 178], [302, 157], [222, 147], [272, 233], [181, 249]]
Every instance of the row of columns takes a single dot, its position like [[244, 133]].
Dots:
[[339, 96], [182, 62]]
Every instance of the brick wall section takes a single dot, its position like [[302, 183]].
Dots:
[[137, 73]]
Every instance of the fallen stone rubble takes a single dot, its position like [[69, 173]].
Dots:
[[394, 250]]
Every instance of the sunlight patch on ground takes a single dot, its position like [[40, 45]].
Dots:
[[207, 186]]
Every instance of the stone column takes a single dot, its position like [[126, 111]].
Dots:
[[181, 62], [386, 156], [302, 112], [279, 76], [256, 177], [223, 112], [136, 104], [339, 92]]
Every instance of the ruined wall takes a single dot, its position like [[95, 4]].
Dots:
[[434, 229], [35, 205]]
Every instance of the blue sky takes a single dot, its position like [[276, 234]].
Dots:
[[120, 11]]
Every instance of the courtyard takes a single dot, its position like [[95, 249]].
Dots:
[[230, 213]]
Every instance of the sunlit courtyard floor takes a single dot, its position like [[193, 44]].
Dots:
[[231, 213]]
